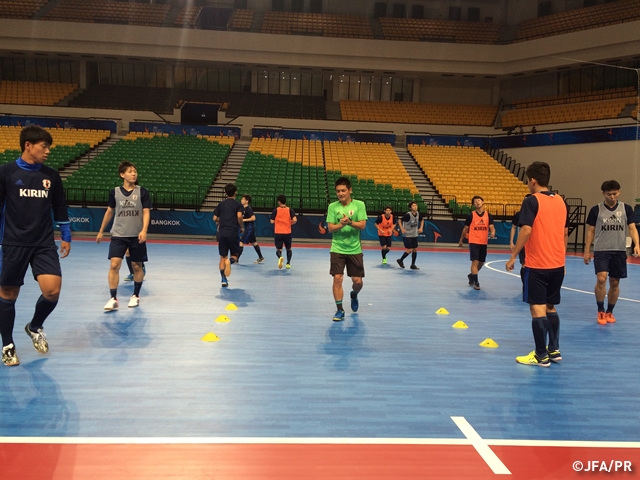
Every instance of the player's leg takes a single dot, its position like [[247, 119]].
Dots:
[[287, 246], [337, 264], [355, 270]]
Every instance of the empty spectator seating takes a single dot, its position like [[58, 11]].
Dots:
[[459, 173], [294, 168], [177, 170], [428, 113], [580, 19], [566, 113], [241, 19], [418, 30], [326, 25], [376, 172], [34, 93], [621, 92], [68, 144], [20, 8], [104, 11], [187, 16]]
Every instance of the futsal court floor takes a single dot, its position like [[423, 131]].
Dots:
[[393, 392]]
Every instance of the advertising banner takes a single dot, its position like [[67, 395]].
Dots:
[[78, 123], [217, 131], [324, 136]]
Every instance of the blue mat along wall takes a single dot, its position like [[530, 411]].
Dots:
[[169, 222]]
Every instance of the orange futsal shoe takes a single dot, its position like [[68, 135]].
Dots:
[[610, 318], [602, 319]]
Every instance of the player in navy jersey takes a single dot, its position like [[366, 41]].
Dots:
[[249, 234], [228, 218], [131, 205], [27, 185]]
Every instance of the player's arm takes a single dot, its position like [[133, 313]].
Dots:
[[421, 225], [401, 225], [591, 233], [108, 215], [240, 221], [146, 218], [633, 232], [294, 217], [465, 230], [512, 235], [525, 233]]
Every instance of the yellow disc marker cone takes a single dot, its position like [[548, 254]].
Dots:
[[442, 311], [460, 324], [210, 337], [488, 343], [231, 306], [223, 319]]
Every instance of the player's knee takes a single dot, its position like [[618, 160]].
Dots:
[[614, 282]]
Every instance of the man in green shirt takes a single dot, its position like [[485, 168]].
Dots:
[[345, 219]]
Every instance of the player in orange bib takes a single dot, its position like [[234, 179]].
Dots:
[[544, 219], [385, 224], [282, 219], [479, 225]]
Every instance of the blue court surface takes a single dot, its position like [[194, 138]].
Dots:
[[282, 368]]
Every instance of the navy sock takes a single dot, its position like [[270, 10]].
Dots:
[[289, 255], [7, 320], [610, 307], [114, 293], [539, 326], [384, 253], [278, 253], [554, 331], [339, 305], [44, 308], [404, 255], [414, 255], [233, 260], [136, 288], [222, 273], [600, 306], [257, 249], [240, 254]]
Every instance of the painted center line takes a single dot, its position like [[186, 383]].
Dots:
[[495, 464]]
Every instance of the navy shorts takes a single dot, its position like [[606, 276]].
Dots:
[[354, 264], [119, 245], [249, 233], [613, 262], [385, 241], [477, 252], [228, 245], [280, 239], [542, 286], [14, 261], [411, 242]]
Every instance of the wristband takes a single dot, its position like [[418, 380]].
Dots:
[[65, 232]]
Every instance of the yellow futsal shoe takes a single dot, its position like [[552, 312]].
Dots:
[[532, 359]]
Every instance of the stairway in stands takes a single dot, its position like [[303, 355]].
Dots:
[[228, 174], [90, 155], [425, 188]]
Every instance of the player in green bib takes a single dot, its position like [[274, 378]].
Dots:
[[345, 219]]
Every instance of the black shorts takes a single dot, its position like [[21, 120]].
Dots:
[[411, 242], [354, 263], [119, 245], [477, 252], [14, 261], [542, 287], [280, 239], [385, 241], [613, 262], [249, 233], [228, 245]]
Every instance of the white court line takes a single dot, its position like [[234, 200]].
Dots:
[[488, 265], [312, 441], [495, 464]]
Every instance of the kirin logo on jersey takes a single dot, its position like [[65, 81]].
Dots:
[[134, 197], [46, 183], [351, 212]]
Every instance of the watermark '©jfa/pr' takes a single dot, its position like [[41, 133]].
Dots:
[[602, 466]]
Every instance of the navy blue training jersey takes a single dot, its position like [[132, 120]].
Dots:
[[28, 195]]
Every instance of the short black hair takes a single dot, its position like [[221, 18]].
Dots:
[[540, 171], [230, 189], [411, 203], [282, 199], [34, 134], [247, 197], [478, 197], [343, 181], [387, 206], [610, 185], [124, 166]]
